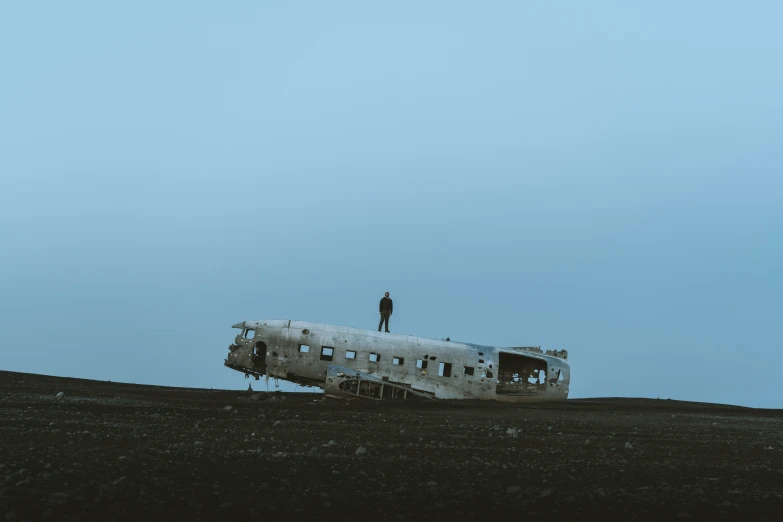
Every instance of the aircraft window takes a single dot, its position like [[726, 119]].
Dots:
[[538, 378], [374, 357], [249, 334], [303, 348], [489, 375], [421, 364], [468, 370], [398, 361], [350, 354], [327, 353], [444, 370], [481, 361]]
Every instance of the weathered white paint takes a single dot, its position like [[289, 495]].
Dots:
[[274, 351]]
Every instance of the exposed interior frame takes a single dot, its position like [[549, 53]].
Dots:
[[520, 375]]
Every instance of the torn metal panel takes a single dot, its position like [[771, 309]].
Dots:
[[386, 366], [344, 383]]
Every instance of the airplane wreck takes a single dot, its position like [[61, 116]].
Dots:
[[354, 363]]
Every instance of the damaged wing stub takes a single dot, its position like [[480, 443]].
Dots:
[[345, 383], [353, 363]]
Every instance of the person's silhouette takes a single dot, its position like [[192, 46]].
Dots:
[[385, 308]]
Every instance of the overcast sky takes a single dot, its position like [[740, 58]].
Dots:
[[600, 177]]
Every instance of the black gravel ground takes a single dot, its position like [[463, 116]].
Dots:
[[110, 451]]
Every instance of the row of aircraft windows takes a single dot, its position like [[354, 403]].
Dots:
[[444, 368]]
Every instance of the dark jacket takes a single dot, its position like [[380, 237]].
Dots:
[[386, 305]]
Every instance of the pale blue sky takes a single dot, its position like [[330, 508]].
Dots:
[[601, 177]]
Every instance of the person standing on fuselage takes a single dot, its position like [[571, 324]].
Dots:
[[385, 308]]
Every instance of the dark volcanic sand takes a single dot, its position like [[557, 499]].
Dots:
[[109, 451]]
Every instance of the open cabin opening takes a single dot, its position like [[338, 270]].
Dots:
[[520, 375]]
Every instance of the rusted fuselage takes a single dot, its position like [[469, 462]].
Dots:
[[354, 363]]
